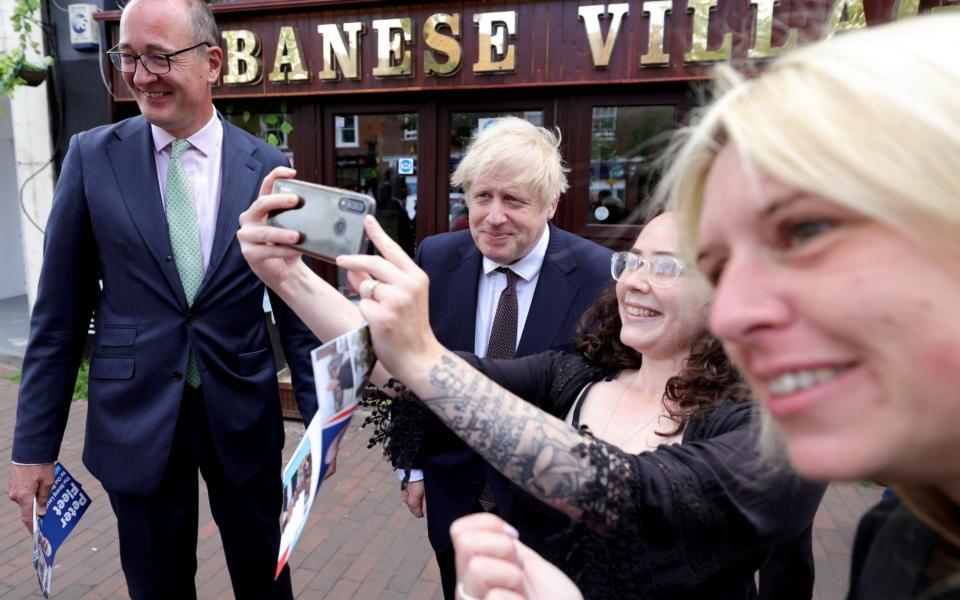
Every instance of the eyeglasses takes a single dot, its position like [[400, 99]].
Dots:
[[662, 270], [155, 62]]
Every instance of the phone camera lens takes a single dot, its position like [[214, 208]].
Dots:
[[352, 205]]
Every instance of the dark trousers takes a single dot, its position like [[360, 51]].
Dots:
[[158, 533], [447, 562]]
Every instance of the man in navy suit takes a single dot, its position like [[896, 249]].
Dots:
[[512, 175], [182, 376]]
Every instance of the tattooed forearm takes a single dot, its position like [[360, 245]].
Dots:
[[529, 446]]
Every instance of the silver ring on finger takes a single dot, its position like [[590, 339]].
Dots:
[[367, 288], [462, 594]]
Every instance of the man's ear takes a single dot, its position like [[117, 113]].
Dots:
[[552, 208], [215, 62]]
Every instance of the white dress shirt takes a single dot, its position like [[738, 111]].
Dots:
[[201, 161], [492, 283]]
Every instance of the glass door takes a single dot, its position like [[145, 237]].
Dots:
[[377, 154], [624, 143]]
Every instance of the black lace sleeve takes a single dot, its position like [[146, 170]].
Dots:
[[399, 422], [691, 510]]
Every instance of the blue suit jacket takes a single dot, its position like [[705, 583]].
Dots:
[[108, 224], [574, 272]]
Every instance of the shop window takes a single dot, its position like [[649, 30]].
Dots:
[[272, 126], [382, 161], [624, 145], [346, 131], [534, 117], [604, 122]]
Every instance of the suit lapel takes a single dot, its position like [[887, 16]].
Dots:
[[461, 315], [552, 299], [239, 182], [132, 158]]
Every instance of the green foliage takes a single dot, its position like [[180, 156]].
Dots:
[[14, 64], [277, 121], [253, 122], [80, 387]]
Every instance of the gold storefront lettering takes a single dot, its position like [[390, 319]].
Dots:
[[600, 49], [288, 64], [446, 45], [243, 61], [497, 50], [495, 54]]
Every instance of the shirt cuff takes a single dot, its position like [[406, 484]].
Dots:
[[415, 475]]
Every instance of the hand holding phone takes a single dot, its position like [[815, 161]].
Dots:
[[330, 220]]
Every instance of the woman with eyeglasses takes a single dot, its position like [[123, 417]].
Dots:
[[640, 445]]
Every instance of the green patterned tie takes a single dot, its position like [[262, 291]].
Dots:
[[184, 236]]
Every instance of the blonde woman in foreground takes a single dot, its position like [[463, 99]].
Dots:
[[822, 200]]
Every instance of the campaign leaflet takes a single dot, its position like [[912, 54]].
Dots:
[[341, 368], [66, 505]]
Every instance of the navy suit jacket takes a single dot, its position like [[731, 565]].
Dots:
[[108, 224], [574, 272]]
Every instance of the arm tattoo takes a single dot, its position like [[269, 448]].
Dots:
[[532, 448]]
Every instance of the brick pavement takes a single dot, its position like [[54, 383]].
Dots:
[[360, 542]]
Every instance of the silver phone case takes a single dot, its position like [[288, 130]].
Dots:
[[330, 219]]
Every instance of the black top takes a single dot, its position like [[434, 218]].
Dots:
[[691, 520], [897, 557], [574, 271]]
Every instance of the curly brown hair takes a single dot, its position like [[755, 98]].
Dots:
[[598, 334], [706, 379]]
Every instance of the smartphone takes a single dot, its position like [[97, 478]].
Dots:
[[330, 219]]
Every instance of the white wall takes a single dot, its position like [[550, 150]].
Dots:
[[13, 282], [32, 149]]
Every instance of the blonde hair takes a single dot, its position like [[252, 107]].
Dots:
[[516, 148], [869, 119]]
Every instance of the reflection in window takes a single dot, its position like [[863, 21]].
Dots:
[[625, 143], [272, 127], [604, 122], [381, 161], [346, 131]]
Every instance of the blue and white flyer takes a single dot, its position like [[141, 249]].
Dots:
[[66, 505], [341, 368]]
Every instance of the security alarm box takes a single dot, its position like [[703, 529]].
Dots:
[[84, 31]]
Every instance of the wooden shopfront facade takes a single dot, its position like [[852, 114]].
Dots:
[[383, 96]]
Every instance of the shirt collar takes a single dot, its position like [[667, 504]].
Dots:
[[529, 266], [207, 139]]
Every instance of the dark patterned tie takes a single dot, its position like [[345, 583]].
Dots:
[[503, 344], [503, 334]]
